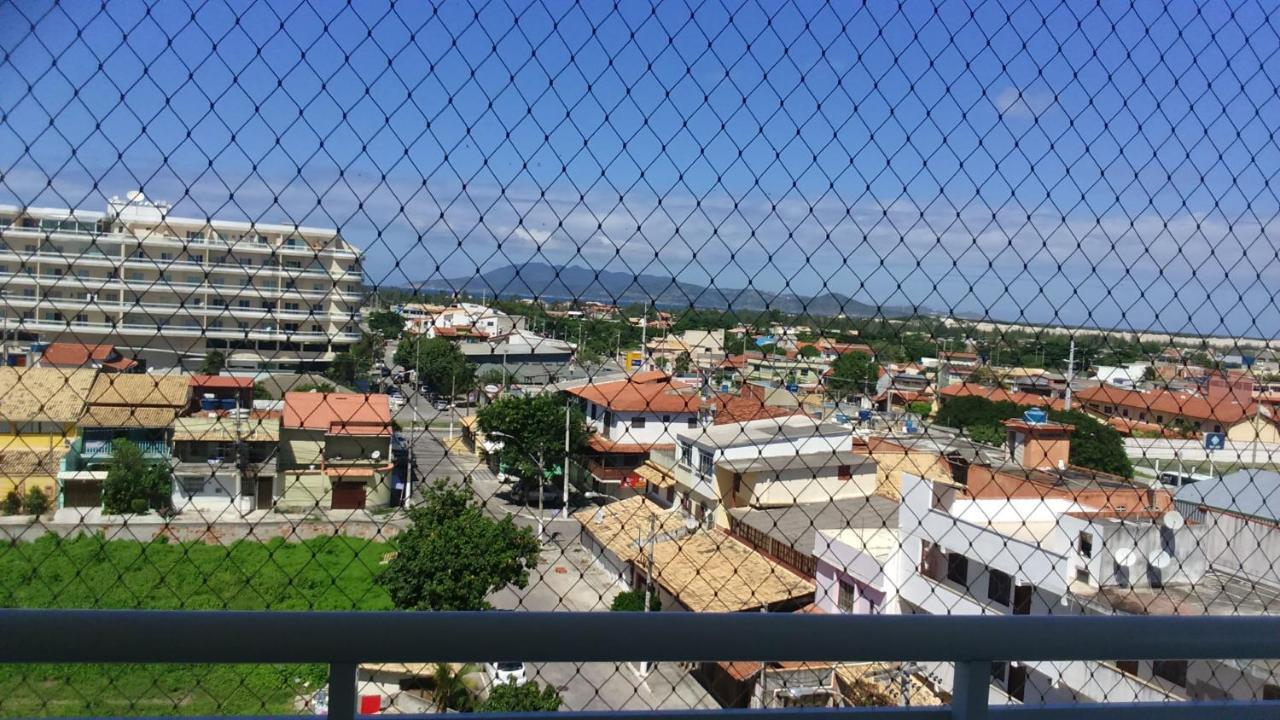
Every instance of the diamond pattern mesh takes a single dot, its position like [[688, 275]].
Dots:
[[942, 308]]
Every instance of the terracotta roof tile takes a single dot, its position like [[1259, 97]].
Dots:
[[1222, 408], [652, 391], [338, 413], [1000, 395]]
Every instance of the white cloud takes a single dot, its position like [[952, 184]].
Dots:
[[1015, 103]]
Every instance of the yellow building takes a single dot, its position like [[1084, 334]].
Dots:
[[39, 409]]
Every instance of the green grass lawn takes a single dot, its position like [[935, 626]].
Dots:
[[334, 573]]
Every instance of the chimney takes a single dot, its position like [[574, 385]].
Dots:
[[1036, 443]]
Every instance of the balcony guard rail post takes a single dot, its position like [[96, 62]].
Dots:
[[342, 691], [970, 687]]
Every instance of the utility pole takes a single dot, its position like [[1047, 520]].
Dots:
[[644, 336], [565, 468], [648, 577], [1071, 374]]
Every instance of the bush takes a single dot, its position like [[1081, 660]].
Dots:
[[525, 697], [133, 484], [37, 502], [12, 503], [633, 601]]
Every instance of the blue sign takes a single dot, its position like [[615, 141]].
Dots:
[[792, 387], [864, 416], [1214, 441]]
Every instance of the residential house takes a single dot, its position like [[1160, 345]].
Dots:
[[138, 408], [899, 387], [704, 347], [786, 533], [225, 460], [220, 392], [631, 416], [1215, 411], [665, 351], [705, 473], [335, 451], [71, 355], [614, 533], [470, 319], [1034, 535], [39, 409], [997, 394], [790, 369], [519, 354]]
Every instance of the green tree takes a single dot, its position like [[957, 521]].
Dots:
[[525, 697], [261, 391], [682, 364], [455, 687], [355, 363], [808, 351], [322, 387], [214, 362], [37, 502], [386, 323], [920, 407], [851, 373], [453, 555], [633, 601], [662, 363], [134, 484], [537, 424], [1095, 444], [440, 364]]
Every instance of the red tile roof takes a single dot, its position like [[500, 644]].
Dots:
[[221, 381], [1000, 395], [1219, 407], [338, 413], [746, 405], [651, 391], [71, 354]]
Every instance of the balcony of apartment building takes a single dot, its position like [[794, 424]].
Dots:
[[978, 649], [93, 234]]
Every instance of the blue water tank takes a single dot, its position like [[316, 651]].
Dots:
[[228, 403], [1036, 416], [208, 403]]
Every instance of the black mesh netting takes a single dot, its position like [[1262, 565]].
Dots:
[[954, 308]]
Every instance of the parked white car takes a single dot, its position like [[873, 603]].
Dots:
[[505, 672]]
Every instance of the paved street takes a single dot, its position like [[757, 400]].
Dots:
[[565, 580]]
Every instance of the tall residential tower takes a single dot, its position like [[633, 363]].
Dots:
[[171, 288]]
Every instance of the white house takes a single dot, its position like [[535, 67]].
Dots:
[[711, 459]]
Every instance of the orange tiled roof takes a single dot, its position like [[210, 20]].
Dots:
[[1221, 408], [72, 354], [221, 381], [651, 391], [1000, 395], [338, 413]]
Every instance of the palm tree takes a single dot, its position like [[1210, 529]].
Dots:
[[453, 687]]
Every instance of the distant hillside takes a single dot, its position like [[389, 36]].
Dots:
[[578, 283]]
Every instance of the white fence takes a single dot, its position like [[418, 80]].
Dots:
[[1193, 451]]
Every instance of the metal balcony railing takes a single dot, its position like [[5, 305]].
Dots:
[[972, 643]]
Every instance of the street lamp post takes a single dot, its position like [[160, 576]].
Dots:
[[542, 469]]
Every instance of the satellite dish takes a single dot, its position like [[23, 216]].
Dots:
[[375, 454], [1173, 520], [1127, 557], [1160, 559]]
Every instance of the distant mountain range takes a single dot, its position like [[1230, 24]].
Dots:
[[550, 282]]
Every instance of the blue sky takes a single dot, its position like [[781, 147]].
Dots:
[[1111, 166]]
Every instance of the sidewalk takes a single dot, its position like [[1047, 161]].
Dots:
[[207, 526]]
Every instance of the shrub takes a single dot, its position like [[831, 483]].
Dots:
[[12, 503], [37, 502], [633, 601]]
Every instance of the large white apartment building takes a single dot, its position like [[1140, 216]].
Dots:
[[171, 288]]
